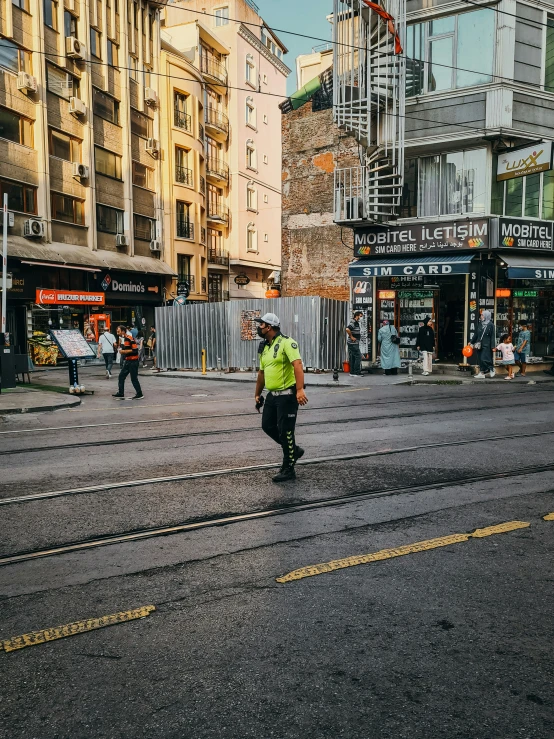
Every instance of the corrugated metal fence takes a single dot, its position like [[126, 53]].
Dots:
[[183, 331]]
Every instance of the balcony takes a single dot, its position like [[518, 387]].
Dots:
[[218, 257], [185, 229], [218, 212], [182, 120], [204, 284], [217, 169], [213, 69], [184, 176], [189, 279], [216, 122]]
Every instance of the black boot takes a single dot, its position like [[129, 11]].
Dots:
[[298, 453], [285, 473]]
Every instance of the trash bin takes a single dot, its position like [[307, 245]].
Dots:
[[7, 367]]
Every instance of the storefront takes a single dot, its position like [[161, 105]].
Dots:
[[450, 271]]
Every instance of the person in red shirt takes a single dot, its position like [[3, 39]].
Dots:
[[130, 363]]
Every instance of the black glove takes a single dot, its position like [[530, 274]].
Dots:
[[260, 403]]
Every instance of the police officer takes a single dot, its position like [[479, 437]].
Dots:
[[281, 372]]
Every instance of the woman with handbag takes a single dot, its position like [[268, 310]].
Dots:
[[388, 348], [484, 340]]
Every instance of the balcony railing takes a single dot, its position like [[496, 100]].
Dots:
[[216, 119], [189, 279], [202, 235], [201, 132], [217, 169], [218, 256], [185, 229], [202, 185], [204, 284], [213, 68], [218, 212], [183, 120], [184, 176]]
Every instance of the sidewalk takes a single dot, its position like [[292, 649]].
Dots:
[[28, 400]]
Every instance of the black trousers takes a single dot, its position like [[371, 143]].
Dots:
[[129, 368], [279, 421], [355, 359], [484, 357]]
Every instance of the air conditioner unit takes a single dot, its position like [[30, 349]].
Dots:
[[26, 82], [355, 210], [150, 96], [153, 146], [121, 240], [77, 106], [11, 219], [74, 48], [156, 246], [81, 171], [33, 228]]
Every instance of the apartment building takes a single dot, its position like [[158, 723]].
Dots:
[[79, 161], [243, 80]]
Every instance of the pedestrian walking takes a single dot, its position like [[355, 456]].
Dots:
[[506, 348], [425, 343], [388, 350], [107, 346], [282, 374], [523, 347], [151, 344], [141, 349], [129, 363], [484, 340], [353, 335]]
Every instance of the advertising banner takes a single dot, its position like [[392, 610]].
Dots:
[[47, 296], [421, 238], [72, 344], [516, 233], [524, 160]]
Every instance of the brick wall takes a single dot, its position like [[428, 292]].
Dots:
[[314, 257]]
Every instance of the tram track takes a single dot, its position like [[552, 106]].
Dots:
[[284, 509], [243, 429], [105, 487]]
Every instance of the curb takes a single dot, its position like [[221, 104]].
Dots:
[[39, 409], [245, 382]]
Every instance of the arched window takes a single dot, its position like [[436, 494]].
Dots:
[[251, 159], [251, 237], [251, 196], [250, 112], [250, 71]]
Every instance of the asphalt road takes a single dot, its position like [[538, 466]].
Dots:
[[450, 638]]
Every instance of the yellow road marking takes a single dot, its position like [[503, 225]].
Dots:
[[420, 546], [548, 517], [78, 627]]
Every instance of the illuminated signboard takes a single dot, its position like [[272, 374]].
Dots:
[[387, 294], [415, 294], [525, 293], [503, 292]]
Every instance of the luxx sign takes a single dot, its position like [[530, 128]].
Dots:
[[524, 160]]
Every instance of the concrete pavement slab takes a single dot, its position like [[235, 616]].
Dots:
[[27, 400]]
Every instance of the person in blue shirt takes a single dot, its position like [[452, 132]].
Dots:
[[523, 347]]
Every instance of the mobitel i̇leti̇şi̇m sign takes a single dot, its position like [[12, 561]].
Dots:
[[414, 238], [524, 160]]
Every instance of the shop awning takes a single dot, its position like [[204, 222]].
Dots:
[[527, 267], [455, 264], [60, 255]]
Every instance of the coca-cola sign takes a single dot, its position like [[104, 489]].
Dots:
[[47, 296]]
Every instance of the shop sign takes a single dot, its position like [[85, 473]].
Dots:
[[123, 285], [530, 273], [524, 160], [525, 293], [183, 289], [47, 296], [516, 233], [362, 293], [421, 238], [428, 269], [242, 279]]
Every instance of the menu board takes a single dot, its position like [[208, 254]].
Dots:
[[72, 344]]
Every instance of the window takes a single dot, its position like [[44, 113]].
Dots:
[[65, 147], [141, 124], [143, 176], [95, 43], [15, 127], [549, 56], [250, 70], [222, 16], [113, 53], [144, 228], [182, 119], [133, 69], [452, 183], [23, 4], [531, 196], [408, 207], [183, 173], [20, 197], [250, 112], [266, 160], [251, 238], [250, 154], [13, 58], [266, 198], [69, 24], [266, 238], [441, 53], [266, 120], [185, 229], [61, 83], [265, 79], [51, 14], [107, 163], [183, 265], [105, 106], [109, 220], [67, 209], [251, 197]]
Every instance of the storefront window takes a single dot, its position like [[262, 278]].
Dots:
[[452, 183]]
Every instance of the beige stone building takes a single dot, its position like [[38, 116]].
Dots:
[[80, 162]]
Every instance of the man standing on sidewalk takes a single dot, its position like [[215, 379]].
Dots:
[[353, 335], [281, 372], [130, 363], [107, 344]]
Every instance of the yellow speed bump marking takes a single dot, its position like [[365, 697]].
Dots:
[[420, 546], [78, 627], [548, 517]]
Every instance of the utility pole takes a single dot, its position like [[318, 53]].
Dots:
[[4, 262]]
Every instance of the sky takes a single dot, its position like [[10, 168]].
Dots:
[[301, 16]]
